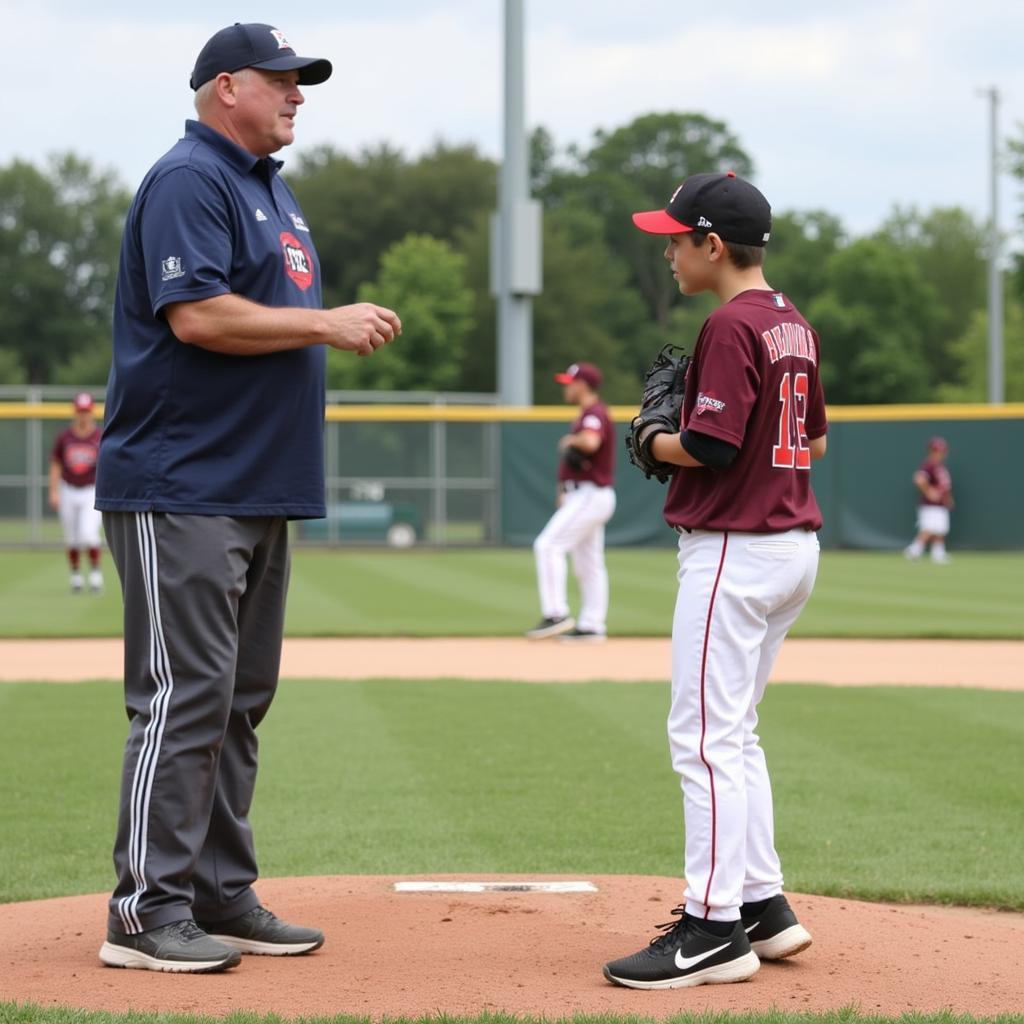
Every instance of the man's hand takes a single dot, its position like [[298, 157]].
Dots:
[[54, 500], [362, 327]]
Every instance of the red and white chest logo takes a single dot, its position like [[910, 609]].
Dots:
[[298, 263], [80, 457]]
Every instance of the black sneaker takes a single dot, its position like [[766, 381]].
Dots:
[[774, 931], [180, 947], [583, 636], [551, 627], [686, 955], [260, 932]]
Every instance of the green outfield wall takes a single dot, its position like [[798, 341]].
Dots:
[[863, 485], [462, 474]]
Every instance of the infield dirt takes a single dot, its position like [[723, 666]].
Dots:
[[391, 954]]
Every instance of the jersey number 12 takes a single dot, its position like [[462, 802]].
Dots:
[[793, 399]]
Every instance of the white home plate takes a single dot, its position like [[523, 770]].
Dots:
[[495, 887]]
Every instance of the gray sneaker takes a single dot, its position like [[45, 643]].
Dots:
[[260, 932], [180, 947]]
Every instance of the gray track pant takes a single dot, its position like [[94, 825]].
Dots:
[[204, 604]]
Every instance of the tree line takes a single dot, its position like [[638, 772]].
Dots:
[[901, 310]]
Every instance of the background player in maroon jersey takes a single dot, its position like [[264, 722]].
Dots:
[[753, 419], [73, 491], [932, 479], [585, 502]]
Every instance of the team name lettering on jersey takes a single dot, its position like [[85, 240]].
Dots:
[[789, 339]]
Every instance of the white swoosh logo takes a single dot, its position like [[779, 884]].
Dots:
[[752, 927], [684, 963]]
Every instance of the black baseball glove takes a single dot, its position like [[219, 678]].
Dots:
[[575, 459], [660, 410]]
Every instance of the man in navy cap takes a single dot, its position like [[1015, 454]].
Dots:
[[213, 440]]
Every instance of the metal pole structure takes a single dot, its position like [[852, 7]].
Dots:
[[996, 387], [515, 252]]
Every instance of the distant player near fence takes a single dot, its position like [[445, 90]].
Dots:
[[73, 492], [935, 484], [585, 502]]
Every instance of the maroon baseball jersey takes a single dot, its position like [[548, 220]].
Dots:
[[599, 468], [754, 383], [77, 456], [939, 478]]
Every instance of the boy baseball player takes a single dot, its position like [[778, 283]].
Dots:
[[753, 419]]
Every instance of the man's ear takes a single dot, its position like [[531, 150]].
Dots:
[[227, 89]]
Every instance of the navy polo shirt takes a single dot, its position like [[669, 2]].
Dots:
[[186, 429]]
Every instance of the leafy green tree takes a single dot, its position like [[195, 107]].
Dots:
[[948, 246], [423, 279], [876, 319], [359, 206], [797, 256], [971, 355], [637, 167], [60, 231]]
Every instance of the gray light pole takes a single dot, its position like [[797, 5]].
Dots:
[[996, 389], [515, 230]]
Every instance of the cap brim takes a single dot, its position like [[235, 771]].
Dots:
[[564, 378], [658, 222], [312, 70]]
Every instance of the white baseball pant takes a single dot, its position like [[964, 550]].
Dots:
[[739, 593], [933, 519], [576, 529], [78, 516]]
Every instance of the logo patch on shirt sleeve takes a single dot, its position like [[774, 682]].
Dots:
[[591, 423], [171, 267], [298, 264], [707, 402]]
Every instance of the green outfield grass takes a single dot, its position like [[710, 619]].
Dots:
[[493, 592], [895, 794]]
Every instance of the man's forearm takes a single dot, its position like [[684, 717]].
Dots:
[[233, 325]]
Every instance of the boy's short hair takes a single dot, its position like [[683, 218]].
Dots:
[[742, 257]]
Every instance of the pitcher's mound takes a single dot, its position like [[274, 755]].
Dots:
[[392, 954]]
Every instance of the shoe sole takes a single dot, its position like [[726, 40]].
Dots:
[[740, 969], [253, 947], [559, 627], [134, 959], [793, 940]]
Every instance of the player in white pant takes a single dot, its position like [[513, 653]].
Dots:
[[586, 501], [934, 482], [752, 421], [73, 491]]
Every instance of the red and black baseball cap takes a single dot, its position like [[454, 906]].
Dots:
[[586, 372], [255, 45], [723, 203]]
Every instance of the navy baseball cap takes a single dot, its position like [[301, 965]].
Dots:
[[723, 203], [586, 372], [255, 46]]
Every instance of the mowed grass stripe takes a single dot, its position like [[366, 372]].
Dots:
[[905, 794], [493, 593]]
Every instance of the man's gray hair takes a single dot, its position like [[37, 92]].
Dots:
[[207, 89]]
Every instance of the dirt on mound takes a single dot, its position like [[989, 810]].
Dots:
[[389, 954]]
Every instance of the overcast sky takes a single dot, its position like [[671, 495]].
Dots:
[[849, 107]]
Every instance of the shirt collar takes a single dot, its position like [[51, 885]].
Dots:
[[241, 159]]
